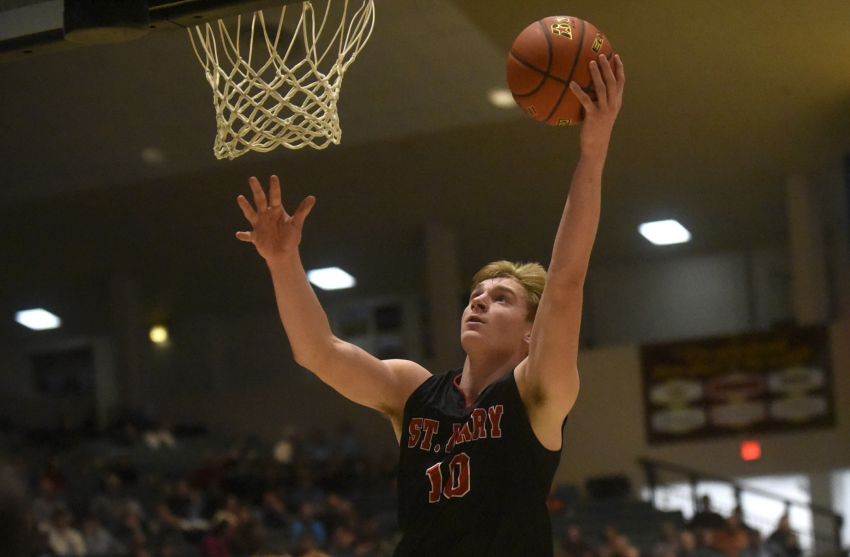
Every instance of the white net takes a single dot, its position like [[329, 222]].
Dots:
[[278, 84]]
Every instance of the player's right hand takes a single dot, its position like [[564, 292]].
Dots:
[[275, 233]]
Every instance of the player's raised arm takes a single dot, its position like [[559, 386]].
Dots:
[[550, 375], [354, 373]]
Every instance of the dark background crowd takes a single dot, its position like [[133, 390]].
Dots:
[[146, 489]]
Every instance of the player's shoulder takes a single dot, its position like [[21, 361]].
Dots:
[[407, 377], [408, 372]]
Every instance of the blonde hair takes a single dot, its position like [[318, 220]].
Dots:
[[532, 277]]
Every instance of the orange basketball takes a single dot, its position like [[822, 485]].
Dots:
[[545, 57]]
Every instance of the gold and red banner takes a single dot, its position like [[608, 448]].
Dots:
[[745, 384]]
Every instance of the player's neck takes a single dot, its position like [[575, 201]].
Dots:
[[480, 372]]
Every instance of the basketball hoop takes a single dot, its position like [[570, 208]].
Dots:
[[263, 101]]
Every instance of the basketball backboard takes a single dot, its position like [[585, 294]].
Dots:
[[32, 27]]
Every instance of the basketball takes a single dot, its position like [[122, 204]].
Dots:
[[545, 57]]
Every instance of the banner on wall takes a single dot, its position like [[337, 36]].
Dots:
[[746, 384]]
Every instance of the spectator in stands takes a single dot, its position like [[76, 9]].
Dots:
[[342, 542], [215, 543], [274, 512], [689, 546], [165, 526], [706, 518], [339, 511], [756, 547], [47, 501], [306, 545], [738, 514], [783, 541], [62, 537], [574, 545], [247, 537], [307, 524], [99, 540], [305, 489], [732, 539], [229, 514], [371, 540], [133, 532], [669, 542], [112, 505], [40, 546], [616, 544], [185, 502], [240, 478]]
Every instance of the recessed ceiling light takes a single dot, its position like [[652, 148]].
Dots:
[[501, 97], [154, 156], [38, 319], [665, 232], [158, 334], [331, 278]]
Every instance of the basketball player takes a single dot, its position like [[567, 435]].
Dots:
[[479, 445]]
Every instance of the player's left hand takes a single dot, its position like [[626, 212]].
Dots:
[[609, 77]]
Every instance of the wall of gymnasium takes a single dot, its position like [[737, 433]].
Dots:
[[236, 374]]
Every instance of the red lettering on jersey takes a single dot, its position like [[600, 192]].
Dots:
[[415, 431], [455, 439], [495, 415], [465, 433], [479, 420], [459, 475], [431, 427], [435, 476]]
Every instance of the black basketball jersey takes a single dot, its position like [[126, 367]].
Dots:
[[472, 481]]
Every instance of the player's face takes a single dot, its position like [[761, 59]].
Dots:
[[497, 314]]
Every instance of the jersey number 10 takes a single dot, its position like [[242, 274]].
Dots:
[[459, 481]]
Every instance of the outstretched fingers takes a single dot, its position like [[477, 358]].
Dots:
[[275, 197], [303, 210], [247, 210], [270, 222], [260, 201]]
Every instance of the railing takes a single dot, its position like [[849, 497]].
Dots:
[[827, 524]]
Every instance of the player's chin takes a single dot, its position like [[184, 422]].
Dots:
[[470, 337]]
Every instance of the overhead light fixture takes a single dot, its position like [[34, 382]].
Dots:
[[159, 335], [38, 319], [501, 97], [153, 156], [665, 232], [331, 278]]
